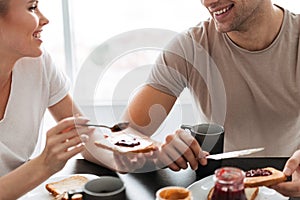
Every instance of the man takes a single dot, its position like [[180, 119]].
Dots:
[[242, 68]]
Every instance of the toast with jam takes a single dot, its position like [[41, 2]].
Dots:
[[124, 143], [263, 177]]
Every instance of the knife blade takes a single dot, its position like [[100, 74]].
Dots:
[[234, 154]]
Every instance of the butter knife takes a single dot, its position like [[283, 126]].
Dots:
[[234, 154]]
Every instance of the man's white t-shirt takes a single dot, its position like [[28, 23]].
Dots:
[[36, 85]]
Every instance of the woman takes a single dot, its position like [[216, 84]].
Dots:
[[29, 84]]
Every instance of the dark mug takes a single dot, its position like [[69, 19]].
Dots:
[[211, 139], [102, 188], [209, 136]]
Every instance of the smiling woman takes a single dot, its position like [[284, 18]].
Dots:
[[30, 83]]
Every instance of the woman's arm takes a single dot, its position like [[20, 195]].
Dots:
[[62, 143], [65, 108], [22, 180]]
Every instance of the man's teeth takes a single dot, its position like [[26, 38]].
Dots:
[[37, 35], [219, 12]]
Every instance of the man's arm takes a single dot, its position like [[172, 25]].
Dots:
[[148, 109]]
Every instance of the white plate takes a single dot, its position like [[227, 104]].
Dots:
[[41, 193], [201, 188]]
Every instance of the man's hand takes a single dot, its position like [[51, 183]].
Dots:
[[180, 150], [292, 168]]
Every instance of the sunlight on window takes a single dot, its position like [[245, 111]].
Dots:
[[53, 33], [96, 21], [291, 5]]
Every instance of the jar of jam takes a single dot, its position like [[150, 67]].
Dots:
[[229, 184]]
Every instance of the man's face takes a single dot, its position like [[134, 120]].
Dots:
[[234, 15]]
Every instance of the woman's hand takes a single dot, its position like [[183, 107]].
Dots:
[[292, 168], [64, 141], [180, 150]]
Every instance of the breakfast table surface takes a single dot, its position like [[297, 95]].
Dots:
[[144, 185]]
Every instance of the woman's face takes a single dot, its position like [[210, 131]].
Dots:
[[20, 29]]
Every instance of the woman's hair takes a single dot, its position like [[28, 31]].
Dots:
[[3, 7]]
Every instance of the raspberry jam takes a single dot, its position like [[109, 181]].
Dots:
[[132, 142], [229, 184], [258, 172]]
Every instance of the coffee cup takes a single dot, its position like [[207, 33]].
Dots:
[[173, 192], [211, 139], [209, 136], [103, 188]]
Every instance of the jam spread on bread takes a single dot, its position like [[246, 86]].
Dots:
[[132, 142], [258, 172]]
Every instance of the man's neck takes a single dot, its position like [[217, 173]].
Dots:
[[261, 34]]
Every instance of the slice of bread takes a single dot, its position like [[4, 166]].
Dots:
[[60, 188], [256, 181], [124, 143], [250, 193]]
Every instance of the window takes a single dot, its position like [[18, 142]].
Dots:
[[53, 33], [291, 5], [97, 24]]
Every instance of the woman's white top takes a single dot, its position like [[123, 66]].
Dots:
[[36, 85]]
